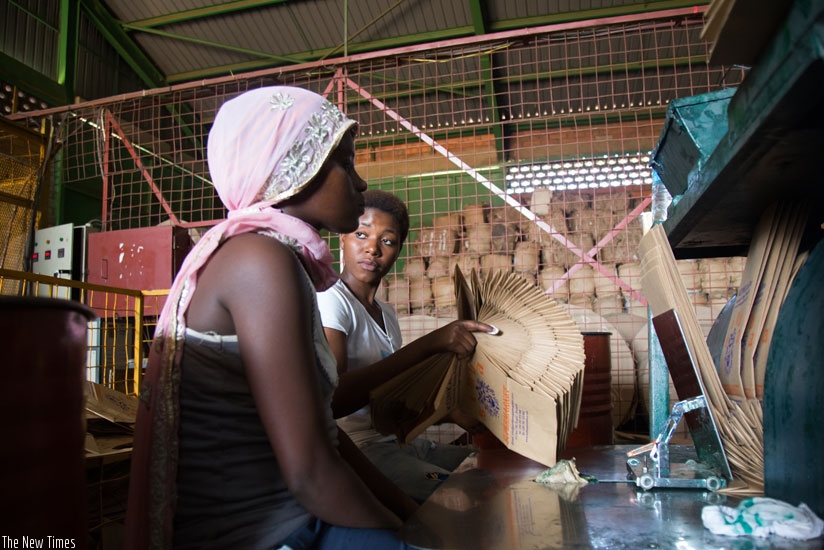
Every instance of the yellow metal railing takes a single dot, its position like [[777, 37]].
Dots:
[[119, 338]]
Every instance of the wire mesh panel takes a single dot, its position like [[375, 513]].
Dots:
[[526, 154], [21, 156]]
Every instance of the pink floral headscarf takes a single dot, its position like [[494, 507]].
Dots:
[[265, 146]]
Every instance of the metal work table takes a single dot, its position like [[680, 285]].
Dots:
[[491, 502]]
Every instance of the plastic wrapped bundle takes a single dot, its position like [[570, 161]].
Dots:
[[609, 304], [414, 268], [688, 269], [420, 294], [636, 308], [515, 224], [604, 223], [505, 214], [466, 262], [451, 221], [444, 241], [604, 286], [715, 280], [582, 301], [422, 243], [539, 203], [548, 276], [440, 241], [473, 214], [630, 273], [526, 257], [624, 245], [496, 262], [478, 239], [556, 253], [382, 294], [556, 219], [443, 292], [438, 267], [735, 268], [582, 220], [503, 238], [704, 314], [397, 293], [614, 201], [582, 281]]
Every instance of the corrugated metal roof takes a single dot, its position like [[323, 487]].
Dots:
[[193, 39]]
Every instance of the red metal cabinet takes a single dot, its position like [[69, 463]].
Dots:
[[139, 259]]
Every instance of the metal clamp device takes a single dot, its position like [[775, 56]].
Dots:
[[650, 466]]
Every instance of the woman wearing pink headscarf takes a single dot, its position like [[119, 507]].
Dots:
[[235, 445]]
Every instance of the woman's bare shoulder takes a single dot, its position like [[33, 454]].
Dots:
[[248, 272], [252, 253]]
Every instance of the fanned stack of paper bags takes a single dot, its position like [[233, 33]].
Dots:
[[524, 383], [735, 387]]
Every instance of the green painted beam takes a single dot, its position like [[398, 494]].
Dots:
[[123, 44], [202, 42], [345, 44], [299, 28], [113, 32], [488, 80], [223, 8], [306, 57], [310, 56], [614, 11], [67, 46], [30, 81], [478, 11]]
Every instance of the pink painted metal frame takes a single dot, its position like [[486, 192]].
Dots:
[[585, 257], [339, 81]]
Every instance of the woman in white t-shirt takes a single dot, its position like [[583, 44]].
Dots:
[[365, 338]]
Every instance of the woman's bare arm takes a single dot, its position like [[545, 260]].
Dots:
[[381, 486], [354, 387], [270, 305]]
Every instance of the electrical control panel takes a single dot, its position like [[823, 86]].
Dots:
[[60, 251]]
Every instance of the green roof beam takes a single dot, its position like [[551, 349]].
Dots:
[[582, 15], [123, 44], [309, 56], [345, 45], [224, 8], [488, 80], [237, 49], [478, 11], [67, 46]]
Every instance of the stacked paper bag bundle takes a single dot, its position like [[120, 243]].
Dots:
[[734, 387], [523, 383]]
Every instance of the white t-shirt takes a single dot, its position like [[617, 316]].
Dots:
[[366, 343]]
